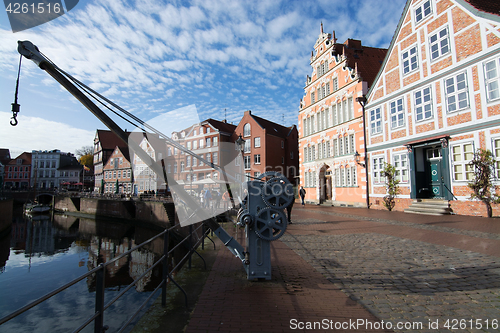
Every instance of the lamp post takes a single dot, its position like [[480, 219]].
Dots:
[[362, 101]]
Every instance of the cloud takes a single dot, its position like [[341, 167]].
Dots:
[[33, 133]]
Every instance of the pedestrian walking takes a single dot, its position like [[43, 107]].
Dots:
[[302, 194], [225, 200]]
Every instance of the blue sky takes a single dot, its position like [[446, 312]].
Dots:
[[153, 57]]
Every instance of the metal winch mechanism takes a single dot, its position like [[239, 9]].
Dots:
[[263, 216]]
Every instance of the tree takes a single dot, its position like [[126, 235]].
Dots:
[[482, 185], [86, 154], [85, 150], [391, 184]]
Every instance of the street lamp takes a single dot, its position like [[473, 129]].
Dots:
[[362, 101]]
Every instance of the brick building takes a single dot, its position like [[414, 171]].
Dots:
[[210, 139], [435, 101], [330, 120], [105, 143], [18, 172], [144, 178], [268, 147], [118, 172]]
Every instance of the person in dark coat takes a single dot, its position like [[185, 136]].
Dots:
[[289, 211], [302, 194]]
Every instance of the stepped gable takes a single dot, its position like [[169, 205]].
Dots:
[[367, 60]]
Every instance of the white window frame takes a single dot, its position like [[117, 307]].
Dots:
[[400, 162], [461, 166], [423, 106], [422, 11], [436, 47], [377, 169], [246, 162], [407, 57], [376, 121], [397, 111], [256, 142], [256, 159], [492, 79], [495, 149], [457, 92], [247, 131]]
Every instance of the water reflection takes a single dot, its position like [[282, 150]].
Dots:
[[44, 252]]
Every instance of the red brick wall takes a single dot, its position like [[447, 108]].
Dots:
[[468, 43]]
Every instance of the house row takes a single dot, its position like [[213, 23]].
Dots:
[[189, 156], [43, 169], [433, 101]]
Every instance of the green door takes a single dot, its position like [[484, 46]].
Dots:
[[434, 160]]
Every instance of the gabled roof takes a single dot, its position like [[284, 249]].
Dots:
[[486, 6], [125, 152], [109, 140], [272, 128], [221, 125], [26, 157]]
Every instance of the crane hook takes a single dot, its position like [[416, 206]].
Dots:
[[15, 110]]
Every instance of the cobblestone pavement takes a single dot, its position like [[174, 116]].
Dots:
[[407, 269]]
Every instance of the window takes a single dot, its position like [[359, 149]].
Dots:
[[282, 144], [247, 146], [215, 141], [377, 170], [247, 162], [246, 130], [456, 92], [423, 104], [201, 143], [462, 154], [423, 11], [215, 158], [256, 142], [410, 60], [256, 159], [175, 167], [335, 84], [397, 113], [496, 154], [492, 78], [439, 43], [313, 99], [375, 121], [182, 167], [188, 161], [195, 144], [400, 162], [209, 142], [351, 108], [189, 145]]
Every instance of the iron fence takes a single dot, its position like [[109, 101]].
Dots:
[[193, 239]]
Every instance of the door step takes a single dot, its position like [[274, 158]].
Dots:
[[429, 207]]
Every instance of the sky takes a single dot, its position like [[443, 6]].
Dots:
[[157, 58]]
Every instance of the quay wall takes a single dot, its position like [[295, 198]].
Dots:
[[147, 211]]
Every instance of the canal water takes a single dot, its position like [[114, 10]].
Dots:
[[42, 253]]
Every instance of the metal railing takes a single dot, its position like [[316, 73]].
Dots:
[[100, 306]]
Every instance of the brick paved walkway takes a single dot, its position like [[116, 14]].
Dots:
[[344, 264]]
